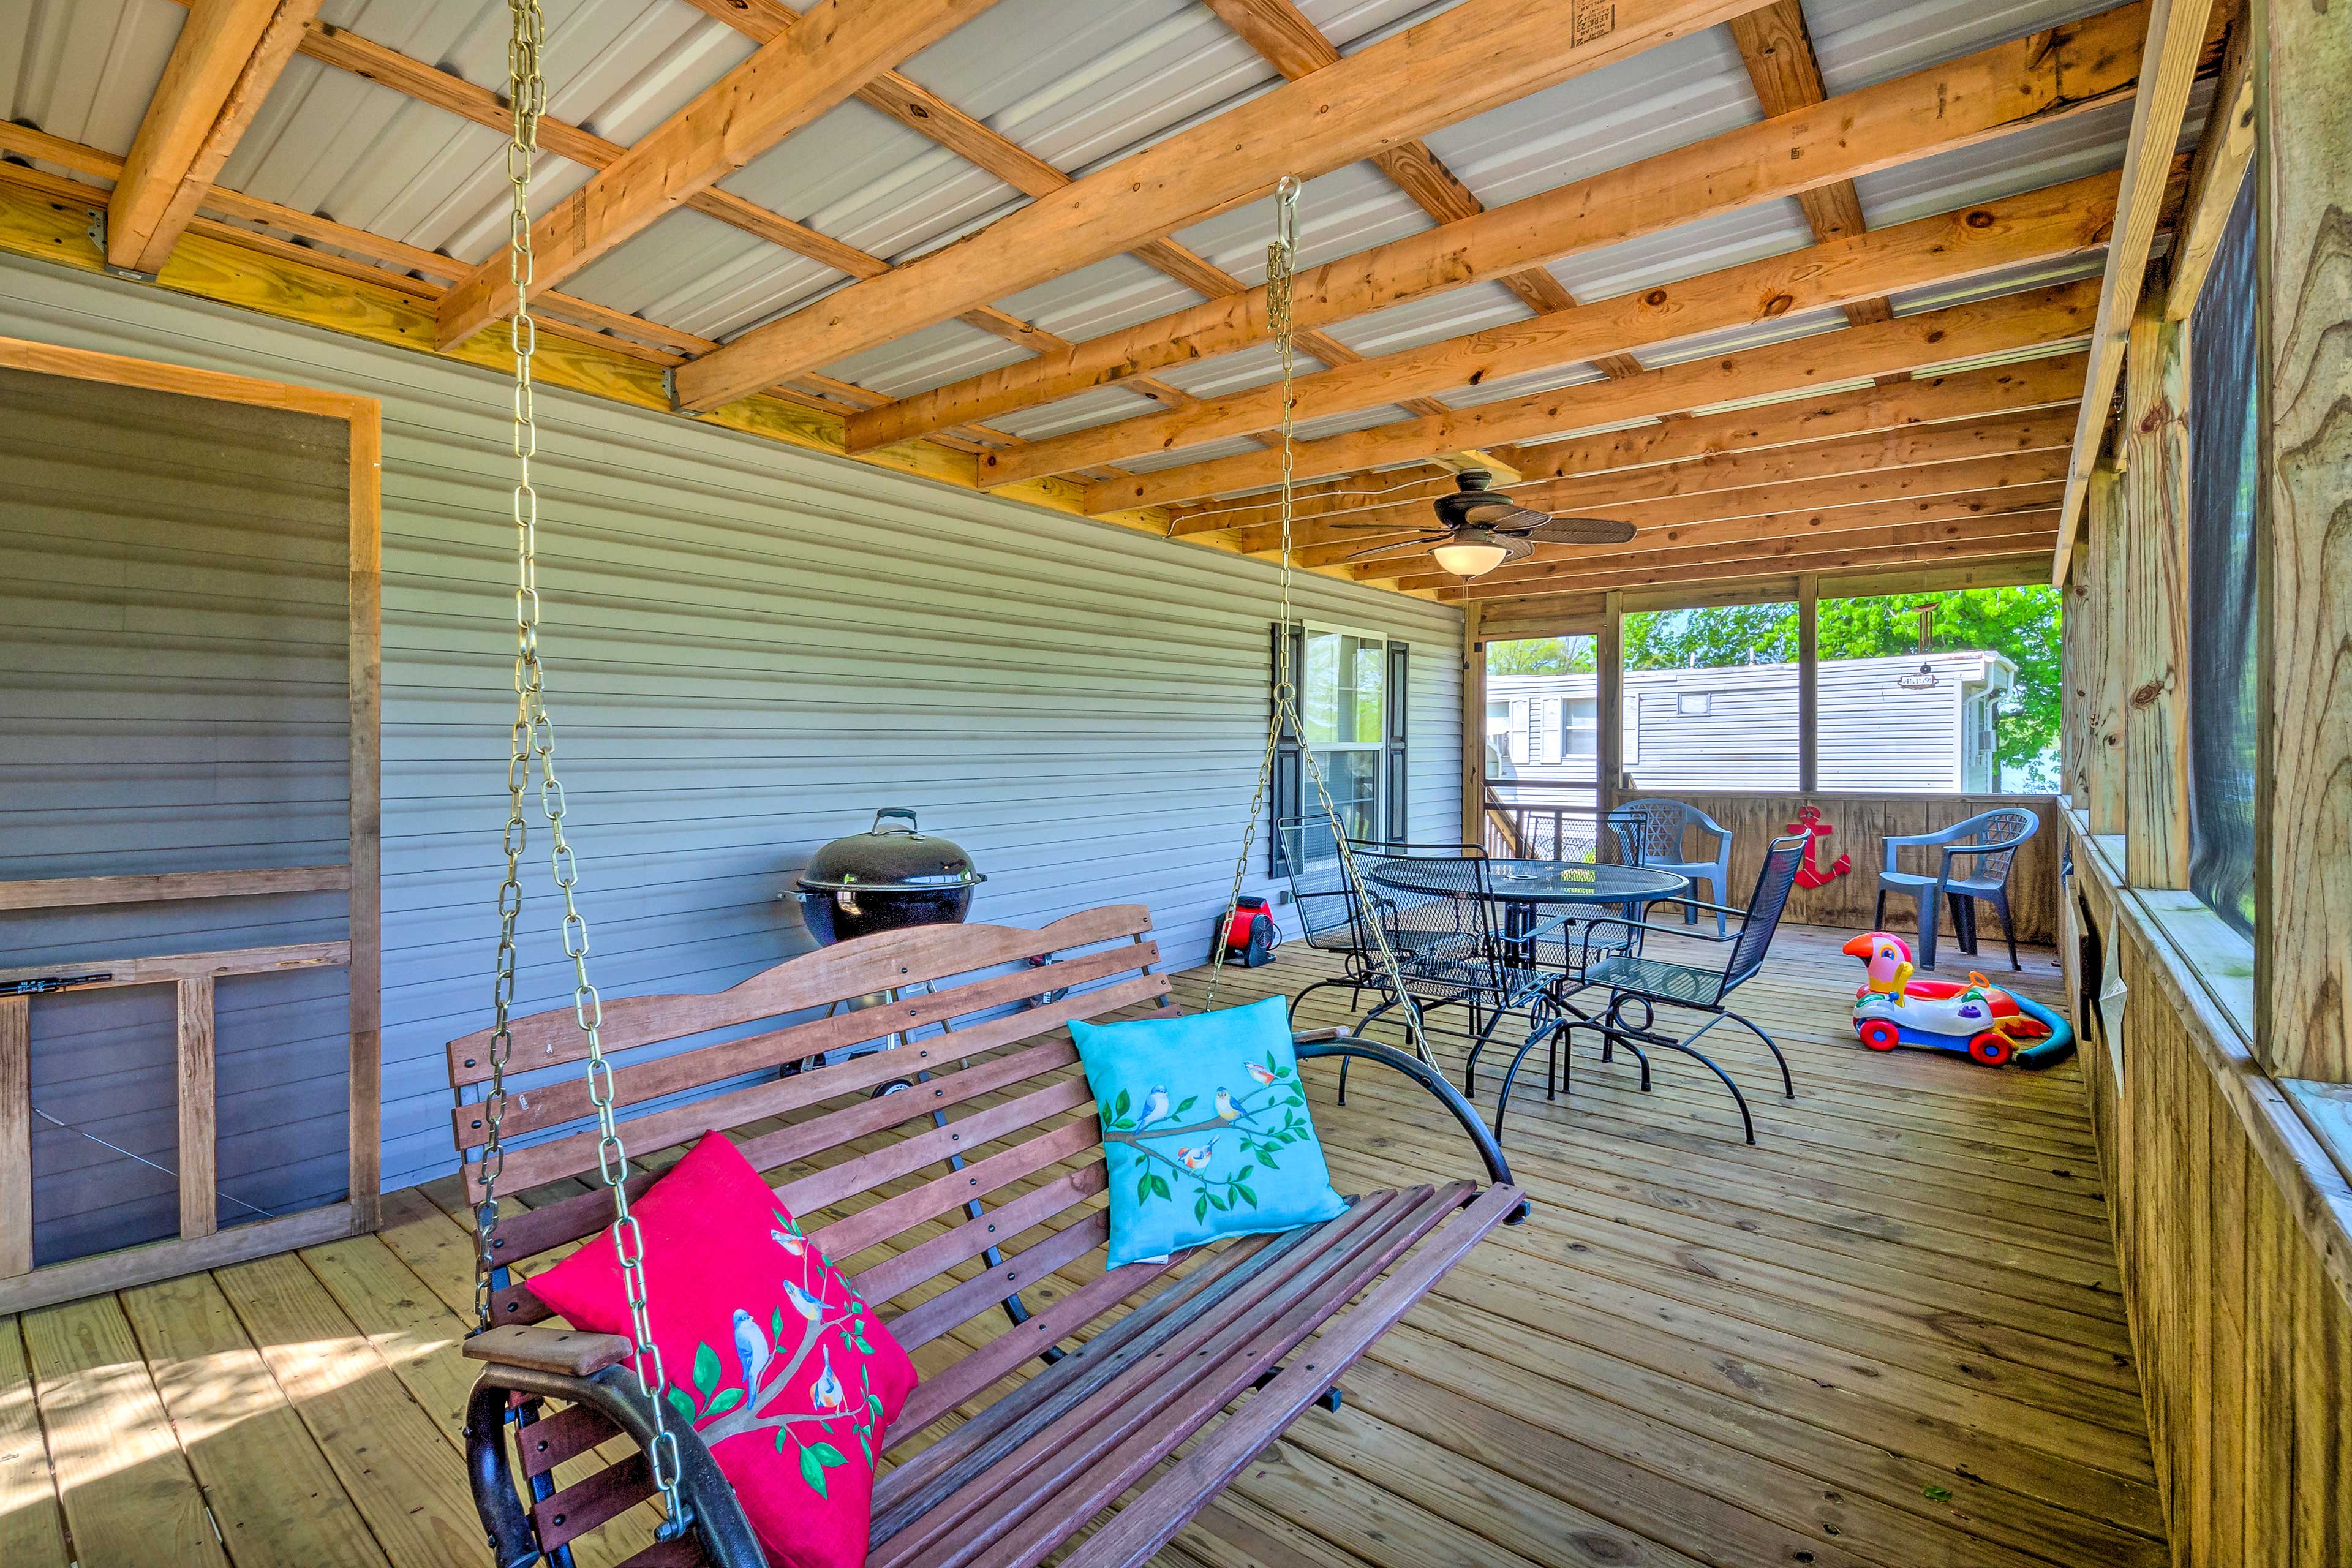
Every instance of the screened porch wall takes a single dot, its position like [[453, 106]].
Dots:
[[752, 648]]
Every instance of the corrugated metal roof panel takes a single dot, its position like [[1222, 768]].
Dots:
[[1076, 85]]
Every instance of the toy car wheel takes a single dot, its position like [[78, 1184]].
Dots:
[[1992, 1050], [1880, 1036]]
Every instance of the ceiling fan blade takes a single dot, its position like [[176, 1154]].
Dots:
[[1479, 509], [1580, 531], [1387, 527], [1403, 547]]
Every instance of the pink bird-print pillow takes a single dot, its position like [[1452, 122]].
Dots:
[[771, 1358]]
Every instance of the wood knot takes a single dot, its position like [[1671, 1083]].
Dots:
[[1779, 305], [2152, 421], [2147, 693], [1978, 218], [1655, 297]]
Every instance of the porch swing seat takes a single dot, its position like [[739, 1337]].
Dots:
[[978, 1104]]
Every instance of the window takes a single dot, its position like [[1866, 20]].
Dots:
[[1975, 714], [1581, 729], [1712, 695], [1354, 734], [2223, 712]]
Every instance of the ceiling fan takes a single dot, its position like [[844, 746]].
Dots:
[[1478, 529]]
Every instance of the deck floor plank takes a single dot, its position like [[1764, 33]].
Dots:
[[31, 1532], [271, 1492], [130, 1499], [1886, 1337]]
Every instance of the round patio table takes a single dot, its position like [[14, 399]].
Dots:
[[1524, 887]]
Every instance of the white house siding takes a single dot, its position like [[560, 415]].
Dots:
[[1874, 735], [750, 648]]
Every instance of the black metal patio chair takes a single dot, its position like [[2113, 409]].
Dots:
[[1436, 908], [1993, 837], [1615, 961]]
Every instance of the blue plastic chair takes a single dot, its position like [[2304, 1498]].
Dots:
[[1993, 838], [1651, 831]]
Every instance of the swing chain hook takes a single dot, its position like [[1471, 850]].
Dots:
[[1281, 314], [533, 739]]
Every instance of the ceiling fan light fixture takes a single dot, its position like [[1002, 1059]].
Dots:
[[1471, 553]]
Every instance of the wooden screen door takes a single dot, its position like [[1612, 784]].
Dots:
[[189, 908]]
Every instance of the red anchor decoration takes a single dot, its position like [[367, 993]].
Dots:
[[1810, 875]]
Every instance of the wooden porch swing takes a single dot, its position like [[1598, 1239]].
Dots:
[[567, 1432]]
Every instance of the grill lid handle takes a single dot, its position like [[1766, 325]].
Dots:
[[895, 811]]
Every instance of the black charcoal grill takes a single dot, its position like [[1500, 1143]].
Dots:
[[892, 875]]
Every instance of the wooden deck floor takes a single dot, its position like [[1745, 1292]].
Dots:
[[1887, 1335]]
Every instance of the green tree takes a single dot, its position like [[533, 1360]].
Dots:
[[1712, 638], [1541, 655], [2021, 624]]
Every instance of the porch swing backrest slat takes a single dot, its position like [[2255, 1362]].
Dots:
[[912, 956], [536, 1107]]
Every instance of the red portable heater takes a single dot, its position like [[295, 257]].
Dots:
[[1250, 936]]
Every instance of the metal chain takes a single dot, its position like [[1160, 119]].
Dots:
[[532, 737], [1281, 276]]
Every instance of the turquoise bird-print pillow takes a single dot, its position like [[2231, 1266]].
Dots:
[[1205, 1128]]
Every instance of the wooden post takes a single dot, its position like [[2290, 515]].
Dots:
[[2156, 601], [199, 1145], [1474, 729], [2303, 812], [1809, 697], [1609, 707], [16, 1135], [2103, 755], [363, 1084]]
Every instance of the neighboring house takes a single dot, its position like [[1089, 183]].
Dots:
[[1735, 728]]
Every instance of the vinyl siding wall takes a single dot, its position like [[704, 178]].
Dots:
[[1875, 736], [749, 649]]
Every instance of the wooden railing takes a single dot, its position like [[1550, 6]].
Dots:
[[1541, 821]]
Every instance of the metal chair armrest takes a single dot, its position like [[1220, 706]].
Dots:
[[1309, 1047], [1702, 905]]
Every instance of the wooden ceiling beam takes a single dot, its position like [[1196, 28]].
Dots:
[[837, 49], [1873, 459], [1983, 327], [1809, 518], [229, 55], [1288, 40], [2036, 226], [2032, 533], [1958, 396], [1477, 56], [2225, 148], [923, 111], [371, 61], [1787, 74], [1549, 614], [2028, 81], [2173, 49]]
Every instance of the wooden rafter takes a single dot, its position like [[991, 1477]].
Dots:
[[228, 56], [2027, 81], [1975, 395], [1547, 615], [1877, 456], [371, 61], [839, 47], [922, 111], [359, 254], [2031, 534], [1289, 41], [1778, 54], [1473, 57], [2224, 149], [2175, 46], [2033, 227], [2005, 325], [1769, 512]]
